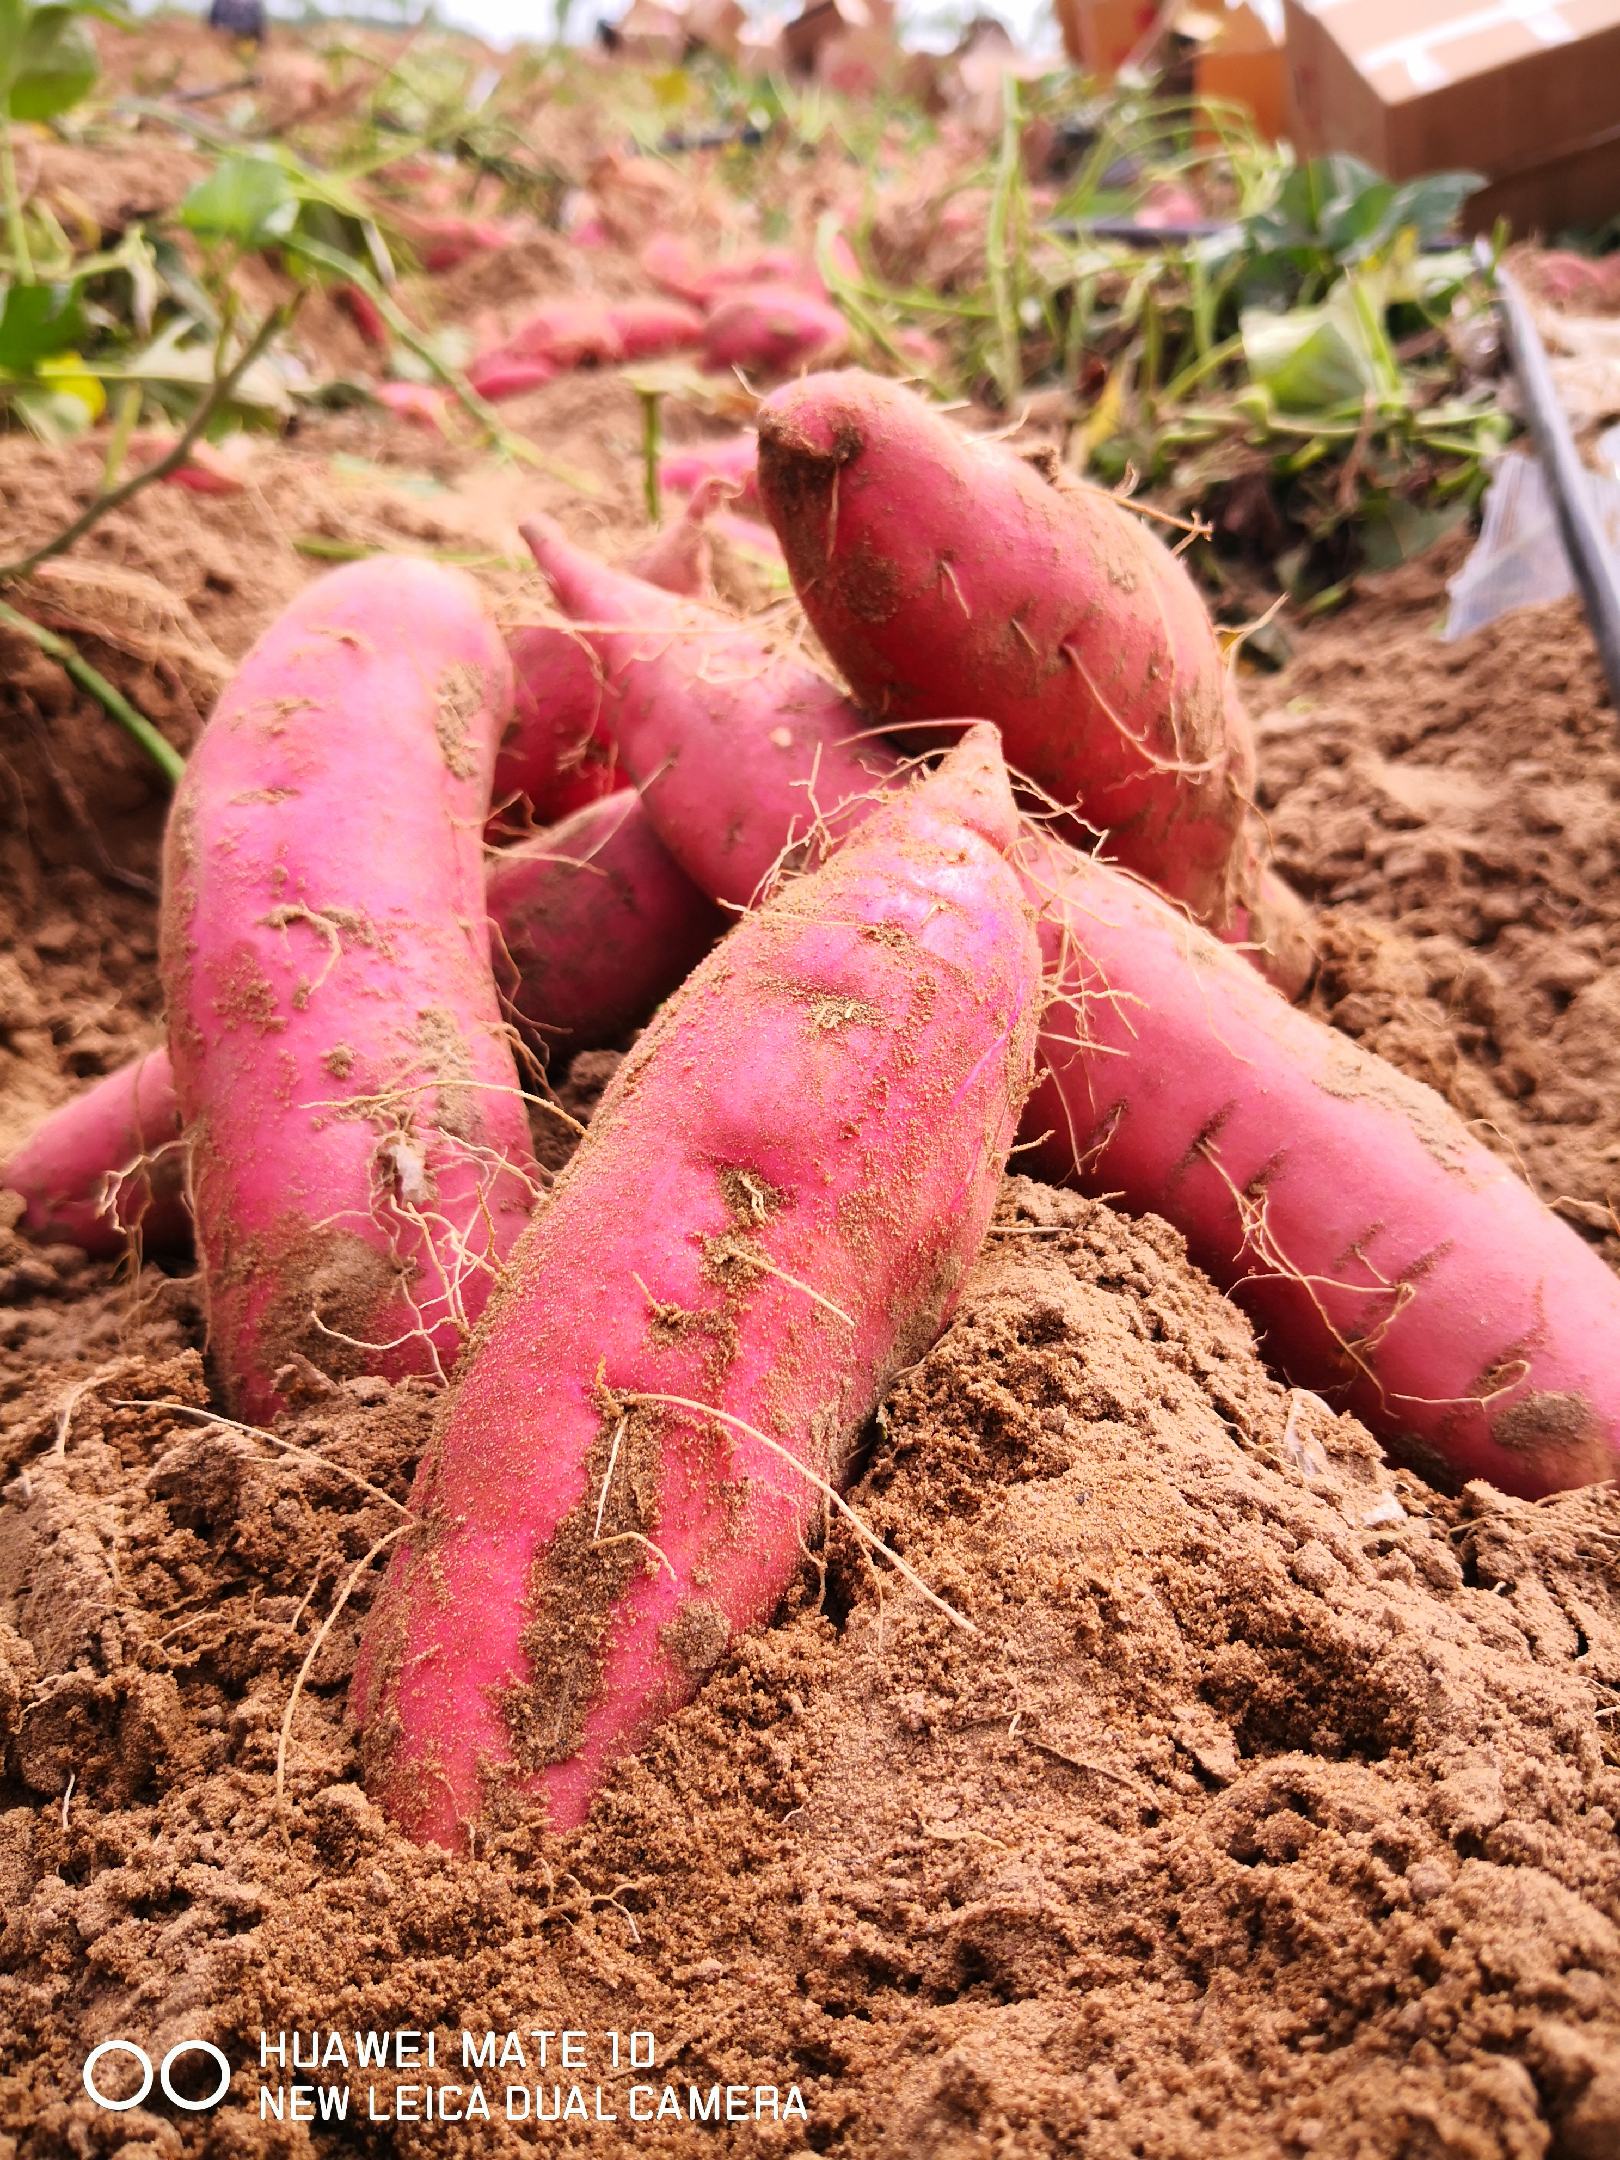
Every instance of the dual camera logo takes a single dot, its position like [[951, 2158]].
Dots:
[[164, 2074]]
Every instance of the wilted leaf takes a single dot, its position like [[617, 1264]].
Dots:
[[66, 375]]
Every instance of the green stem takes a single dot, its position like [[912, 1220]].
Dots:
[[652, 407], [16, 232], [112, 702]]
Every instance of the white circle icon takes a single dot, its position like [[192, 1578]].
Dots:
[[111, 2047], [200, 2047], [181, 2047]]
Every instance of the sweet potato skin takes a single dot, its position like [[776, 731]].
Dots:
[[773, 330], [740, 750], [359, 1155], [771, 1214], [555, 754], [724, 457], [594, 925], [128, 1121], [1389, 1260], [944, 574]]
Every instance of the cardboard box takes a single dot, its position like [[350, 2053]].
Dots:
[[819, 22], [1525, 91], [1100, 35], [1238, 61]]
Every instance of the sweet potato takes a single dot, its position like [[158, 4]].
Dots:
[[445, 241], [359, 1153], [594, 925], [649, 329], [724, 457], [773, 330], [1272, 1143], [671, 263], [738, 749], [1388, 1258], [679, 558], [424, 405], [498, 375], [771, 1214], [555, 755], [105, 1164], [946, 574], [365, 314]]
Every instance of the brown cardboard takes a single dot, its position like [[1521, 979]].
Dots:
[[823, 20], [1237, 61], [1525, 92], [1099, 36]]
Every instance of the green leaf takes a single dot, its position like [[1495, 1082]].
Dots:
[[37, 321], [248, 199], [1309, 359], [51, 65]]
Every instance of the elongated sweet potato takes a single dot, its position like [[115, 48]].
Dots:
[[555, 755], [71, 1170], [359, 1153], [725, 457], [594, 925], [945, 574], [772, 1213], [1389, 1259], [773, 330], [738, 749]]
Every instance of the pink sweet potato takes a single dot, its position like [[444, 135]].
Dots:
[[424, 405], [359, 1154], [671, 263], [555, 755], [945, 574], [497, 375], [726, 457], [771, 1214], [773, 330], [365, 314], [738, 749], [594, 925], [445, 241], [1389, 1259], [1463, 1322], [649, 329], [105, 1164], [679, 557]]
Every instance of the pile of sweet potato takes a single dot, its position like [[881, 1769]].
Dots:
[[874, 939]]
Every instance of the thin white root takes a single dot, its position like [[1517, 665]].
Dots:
[[315, 1648], [828, 1492]]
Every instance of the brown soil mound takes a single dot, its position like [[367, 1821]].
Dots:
[[1271, 1808], [1454, 809], [1268, 1808]]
